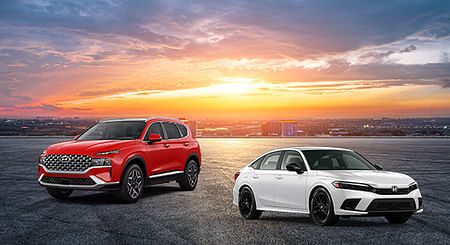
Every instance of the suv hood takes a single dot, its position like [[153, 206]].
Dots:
[[88, 146], [375, 178]]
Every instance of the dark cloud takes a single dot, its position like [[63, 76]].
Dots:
[[408, 49]]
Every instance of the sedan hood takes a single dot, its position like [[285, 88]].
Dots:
[[375, 178], [88, 146]]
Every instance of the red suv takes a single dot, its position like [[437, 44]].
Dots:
[[123, 155]]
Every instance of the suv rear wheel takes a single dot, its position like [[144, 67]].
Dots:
[[132, 184], [59, 193], [189, 180]]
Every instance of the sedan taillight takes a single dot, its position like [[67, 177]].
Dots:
[[236, 175]]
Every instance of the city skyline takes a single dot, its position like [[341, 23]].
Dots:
[[225, 60]]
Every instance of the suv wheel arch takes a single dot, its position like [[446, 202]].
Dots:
[[138, 160]]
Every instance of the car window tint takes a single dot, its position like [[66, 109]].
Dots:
[[292, 157], [270, 162], [183, 130], [155, 128], [171, 130]]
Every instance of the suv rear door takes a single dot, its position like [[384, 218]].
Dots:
[[176, 148]]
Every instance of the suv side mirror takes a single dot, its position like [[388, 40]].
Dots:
[[294, 167], [154, 138], [76, 137], [378, 167]]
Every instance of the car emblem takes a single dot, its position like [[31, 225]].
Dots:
[[64, 159], [394, 188]]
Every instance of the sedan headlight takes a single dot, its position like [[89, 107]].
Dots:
[[352, 186], [413, 186], [101, 162], [107, 153]]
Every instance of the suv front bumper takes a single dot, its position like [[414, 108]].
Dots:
[[92, 179]]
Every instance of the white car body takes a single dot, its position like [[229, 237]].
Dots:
[[287, 191]]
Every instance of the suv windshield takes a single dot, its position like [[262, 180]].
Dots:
[[129, 130], [336, 160]]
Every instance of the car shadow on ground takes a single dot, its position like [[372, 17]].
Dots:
[[111, 197], [343, 222]]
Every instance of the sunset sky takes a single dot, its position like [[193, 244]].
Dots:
[[225, 59]]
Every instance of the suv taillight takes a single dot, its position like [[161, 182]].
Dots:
[[236, 175]]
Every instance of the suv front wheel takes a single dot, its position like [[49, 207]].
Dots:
[[132, 184], [189, 180]]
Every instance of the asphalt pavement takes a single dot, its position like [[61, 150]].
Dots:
[[167, 215]]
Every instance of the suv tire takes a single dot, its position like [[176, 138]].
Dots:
[[132, 184], [189, 180]]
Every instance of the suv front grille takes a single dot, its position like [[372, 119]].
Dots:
[[67, 163], [67, 181], [388, 205]]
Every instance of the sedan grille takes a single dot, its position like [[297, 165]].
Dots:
[[67, 163], [67, 181], [390, 205]]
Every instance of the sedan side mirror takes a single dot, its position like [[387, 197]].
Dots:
[[378, 167], [154, 138], [294, 167]]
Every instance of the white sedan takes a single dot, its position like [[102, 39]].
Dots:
[[326, 183]]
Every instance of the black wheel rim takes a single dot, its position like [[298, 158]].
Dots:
[[192, 174], [134, 183], [245, 203], [320, 206]]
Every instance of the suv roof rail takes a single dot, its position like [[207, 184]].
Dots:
[[175, 119]]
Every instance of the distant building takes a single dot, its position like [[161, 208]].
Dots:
[[288, 128], [193, 126], [271, 128]]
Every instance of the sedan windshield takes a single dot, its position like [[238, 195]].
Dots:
[[129, 130], [336, 160]]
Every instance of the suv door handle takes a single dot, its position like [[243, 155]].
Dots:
[[255, 176], [166, 145], [185, 143]]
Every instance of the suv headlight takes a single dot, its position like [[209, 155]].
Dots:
[[101, 162], [107, 153], [352, 186]]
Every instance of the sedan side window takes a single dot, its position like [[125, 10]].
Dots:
[[292, 157], [270, 162]]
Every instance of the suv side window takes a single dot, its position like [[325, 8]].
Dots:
[[270, 162], [171, 130], [155, 128], [183, 130], [292, 157]]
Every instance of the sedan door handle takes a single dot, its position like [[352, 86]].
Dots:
[[279, 177], [166, 145], [185, 143], [255, 176]]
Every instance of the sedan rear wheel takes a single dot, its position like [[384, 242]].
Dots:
[[321, 208]]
